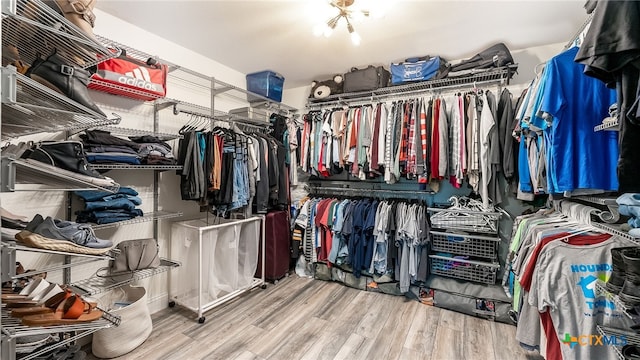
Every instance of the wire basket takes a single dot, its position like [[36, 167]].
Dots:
[[463, 244], [465, 220], [469, 270]]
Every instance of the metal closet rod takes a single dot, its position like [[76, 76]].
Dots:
[[584, 25], [404, 96], [220, 118], [367, 192]]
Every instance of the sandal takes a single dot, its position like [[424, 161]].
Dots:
[[36, 300], [70, 311], [32, 289], [49, 306]]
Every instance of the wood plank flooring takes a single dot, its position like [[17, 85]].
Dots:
[[310, 319]]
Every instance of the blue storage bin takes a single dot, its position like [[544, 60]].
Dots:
[[265, 83]]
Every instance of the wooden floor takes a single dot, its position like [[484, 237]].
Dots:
[[311, 319]]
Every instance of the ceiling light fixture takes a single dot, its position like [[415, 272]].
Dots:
[[350, 14]]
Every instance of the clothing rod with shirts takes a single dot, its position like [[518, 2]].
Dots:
[[404, 194]]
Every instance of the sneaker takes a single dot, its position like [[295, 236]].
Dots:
[[80, 234]]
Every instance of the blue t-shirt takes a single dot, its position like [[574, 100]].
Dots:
[[580, 157]]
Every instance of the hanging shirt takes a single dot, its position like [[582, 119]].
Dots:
[[486, 126], [576, 150], [443, 141]]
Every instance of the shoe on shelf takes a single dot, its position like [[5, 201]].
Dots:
[[80, 234], [78, 12], [32, 289], [68, 155], [12, 221], [59, 235], [56, 74], [72, 310]]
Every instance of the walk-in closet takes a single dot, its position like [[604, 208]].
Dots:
[[324, 179]]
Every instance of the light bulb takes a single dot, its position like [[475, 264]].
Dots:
[[318, 30], [355, 38], [327, 31]]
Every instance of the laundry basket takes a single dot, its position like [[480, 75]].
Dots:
[[135, 323], [219, 259]]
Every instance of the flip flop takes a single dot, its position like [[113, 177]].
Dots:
[[72, 310]]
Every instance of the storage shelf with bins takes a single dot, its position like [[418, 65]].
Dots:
[[464, 244]]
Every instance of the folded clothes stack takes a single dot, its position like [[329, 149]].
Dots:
[[60, 235], [629, 205], [104, 148], [103, 207]]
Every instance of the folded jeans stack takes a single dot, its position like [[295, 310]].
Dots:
[[629, 205], [104, 148], [103, 207]]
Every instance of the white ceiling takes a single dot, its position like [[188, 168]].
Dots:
[[252, 36]]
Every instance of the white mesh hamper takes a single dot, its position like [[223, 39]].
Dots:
[[135, 326]]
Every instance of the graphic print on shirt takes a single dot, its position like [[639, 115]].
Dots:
[[589, 274]]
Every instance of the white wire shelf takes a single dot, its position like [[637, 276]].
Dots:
[[494, 76], [19, 171], [614, 229], [206, 112], [158, 215], [135, 167], [36, 29], [8, 252], [137, 132], [606, 201], [632, 338], [485, 222], [12, 328], [602, 290], [97, 285], [611, 125], [29, 107]]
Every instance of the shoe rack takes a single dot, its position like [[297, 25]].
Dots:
[[33, 29]]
